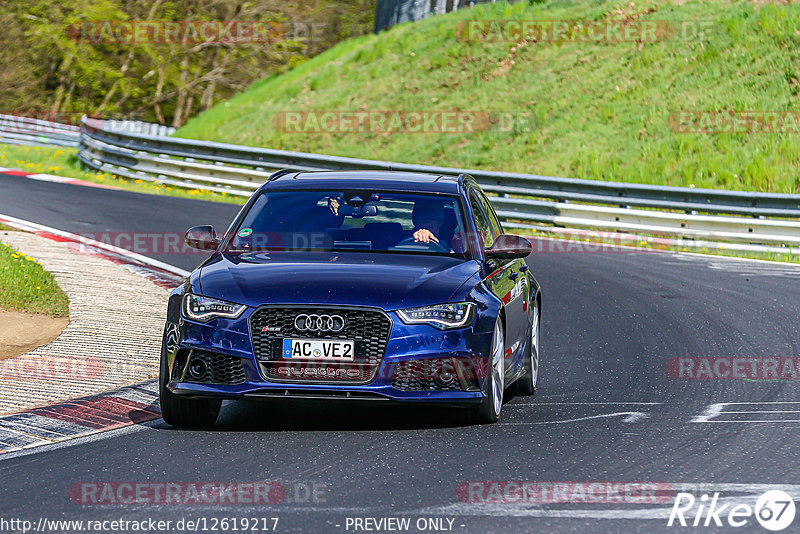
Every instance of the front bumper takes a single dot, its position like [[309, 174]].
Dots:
[[363, 393], [467, 348]]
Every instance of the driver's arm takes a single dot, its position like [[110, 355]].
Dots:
[[333, 204], [424, 235]]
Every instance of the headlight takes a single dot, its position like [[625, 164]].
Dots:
[[441, 316], [204, 309]]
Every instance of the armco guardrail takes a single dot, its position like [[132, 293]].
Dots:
[[27, 131], [733, 216]]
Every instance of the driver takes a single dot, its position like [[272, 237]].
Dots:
[[428, 218]]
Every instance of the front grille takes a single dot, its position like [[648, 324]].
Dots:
[[369, 329], [219, 369], [434, 374]]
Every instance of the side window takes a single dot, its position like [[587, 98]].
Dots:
[[494, 222], [485, 235]]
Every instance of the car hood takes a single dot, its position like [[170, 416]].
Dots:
[[388, 281]]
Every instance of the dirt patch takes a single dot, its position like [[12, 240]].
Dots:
[[23, 332]]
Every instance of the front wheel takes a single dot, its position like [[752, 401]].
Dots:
[[488, 410], [177, 411]]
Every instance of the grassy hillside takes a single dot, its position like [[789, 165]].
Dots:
[[593, 110]]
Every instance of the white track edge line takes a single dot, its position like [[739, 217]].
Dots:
[[22, 224]]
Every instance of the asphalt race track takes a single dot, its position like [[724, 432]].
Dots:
[[606, 411]]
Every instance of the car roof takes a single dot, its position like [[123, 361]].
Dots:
[[415, 182]]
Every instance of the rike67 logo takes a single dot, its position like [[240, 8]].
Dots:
[[774, 510]]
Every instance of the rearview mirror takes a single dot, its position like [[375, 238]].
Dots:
[[508, 247], [202, 238], [367, 210]]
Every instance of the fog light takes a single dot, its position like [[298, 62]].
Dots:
[[444, 376], [198, 368]]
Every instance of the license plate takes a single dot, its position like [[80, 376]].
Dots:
[[318, 349]]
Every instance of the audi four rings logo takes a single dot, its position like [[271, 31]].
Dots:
[[319, 323]]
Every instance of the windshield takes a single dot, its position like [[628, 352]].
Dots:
[[373, 221]]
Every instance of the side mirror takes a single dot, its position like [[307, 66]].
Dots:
[[202, 238], [509, 247]]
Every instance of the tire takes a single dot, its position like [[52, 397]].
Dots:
[[526, 384], [180, 412], [488, 411]]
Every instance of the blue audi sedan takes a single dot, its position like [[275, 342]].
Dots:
[[380, 286]]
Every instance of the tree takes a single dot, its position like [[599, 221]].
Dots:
[[74, 56]]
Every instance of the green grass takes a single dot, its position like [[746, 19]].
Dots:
[[598, 111], [25, 286], [64, 162]]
